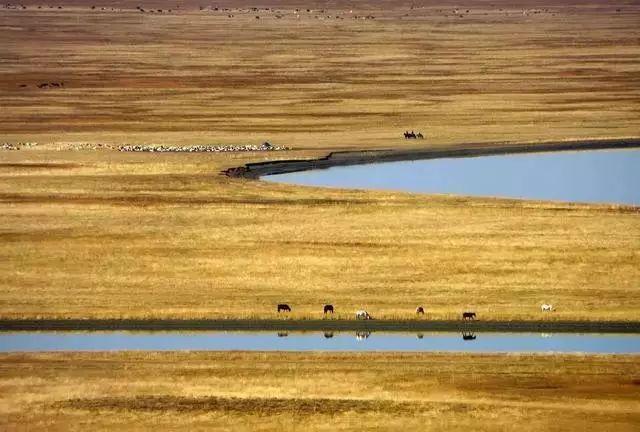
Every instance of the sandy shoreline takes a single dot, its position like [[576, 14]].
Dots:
[[259, 169], [317, 325]]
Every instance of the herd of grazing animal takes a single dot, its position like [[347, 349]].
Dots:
[[364, 315]]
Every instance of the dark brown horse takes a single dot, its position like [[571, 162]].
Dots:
[[468, 315], [283, 307], [419, 310], [328, 309]]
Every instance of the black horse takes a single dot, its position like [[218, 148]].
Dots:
[[328, 309], [468, 315], [283, 307], [419, 310]]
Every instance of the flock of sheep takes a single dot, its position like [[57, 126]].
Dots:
[[201, 148]]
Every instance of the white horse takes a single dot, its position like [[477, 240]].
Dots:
[[546, 308], [363, 314]]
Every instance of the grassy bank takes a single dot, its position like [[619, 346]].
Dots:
[[100, 234], [267, 391]]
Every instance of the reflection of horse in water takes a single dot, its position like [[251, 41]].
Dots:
[[419, 335], [362, 334], [468, 336], [328, 335], [283, 334]]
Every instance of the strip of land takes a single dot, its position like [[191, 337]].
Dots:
[[325, 324], [282, 391]]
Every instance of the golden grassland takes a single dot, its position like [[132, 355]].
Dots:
[[102, 234], [318, 391], [109, 234], [198, 77]]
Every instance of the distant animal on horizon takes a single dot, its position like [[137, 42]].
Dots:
[[419, 136], [546, 308], [419, 310], [468, 315], [328, 309], [363, 315], [283, 307]]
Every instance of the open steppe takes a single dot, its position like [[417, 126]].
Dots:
[[104, 234], [318, 392]]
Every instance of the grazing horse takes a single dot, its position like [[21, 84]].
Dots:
[[283, 307], [363, 314], [468, 315], [419, 136], [546, 308], [419, 310], [328, 308], [409, 135]]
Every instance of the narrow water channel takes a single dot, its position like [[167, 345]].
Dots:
[[605, 176], [318, 341]]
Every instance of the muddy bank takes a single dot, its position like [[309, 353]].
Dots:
[[320, 325], [259, 169]]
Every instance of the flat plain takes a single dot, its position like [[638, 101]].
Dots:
[[87, 231]]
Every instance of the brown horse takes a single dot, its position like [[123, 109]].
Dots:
[[283, 307], [468, 315], [328, 309], [419, 310]]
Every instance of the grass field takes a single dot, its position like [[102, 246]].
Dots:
[[103, 234], [318, 392]]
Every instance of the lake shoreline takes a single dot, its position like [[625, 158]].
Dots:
[[361, 157], [316, 325]]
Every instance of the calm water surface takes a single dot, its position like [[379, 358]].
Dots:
[[313, 341], [586, 176]]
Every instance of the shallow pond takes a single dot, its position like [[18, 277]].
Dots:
[[611, 176], [318, 341]]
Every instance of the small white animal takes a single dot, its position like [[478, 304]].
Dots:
[[546, 308], [363, 314]]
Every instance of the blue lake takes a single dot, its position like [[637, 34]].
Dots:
[[611, 176], [318, 341]]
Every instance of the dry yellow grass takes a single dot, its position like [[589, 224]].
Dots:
[[318, 392], [150, 235], [197, 77], [104, 234]]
